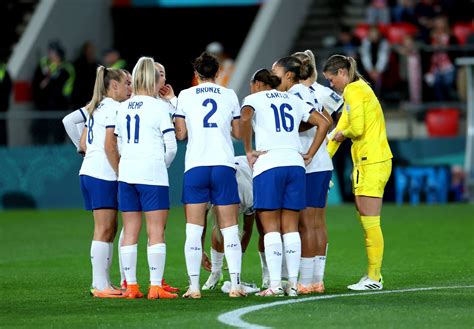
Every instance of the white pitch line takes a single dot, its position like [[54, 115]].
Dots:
[[233, 318]]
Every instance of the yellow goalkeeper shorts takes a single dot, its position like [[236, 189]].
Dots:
[[370, 180]]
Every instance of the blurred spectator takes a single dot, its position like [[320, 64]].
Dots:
[[347, 43], [425, 12], [378, 12], [404, 11], [410, 68], [52, 87], [225, 62], [85, 66], [374, 55], [5, 92], [441, 75], [111, 59]]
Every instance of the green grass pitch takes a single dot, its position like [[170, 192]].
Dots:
[[45, 274]]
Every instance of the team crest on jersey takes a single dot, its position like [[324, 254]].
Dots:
[[348, 108], [335, 97]]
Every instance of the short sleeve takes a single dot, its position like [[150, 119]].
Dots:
[[248, 102], [111, 118], [235, 106], [306, 109], [180, 113], [331, 101], [166, 125]]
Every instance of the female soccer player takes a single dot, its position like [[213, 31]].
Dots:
[[98, 173], [279, 170], [312, 226], [148, 148], [363, 122], [74, 122], [207, 114]]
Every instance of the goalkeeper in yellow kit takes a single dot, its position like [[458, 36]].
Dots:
[[363, 122]]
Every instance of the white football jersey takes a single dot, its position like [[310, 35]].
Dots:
[[244, 180], [331, 101], [277, 116], [95, 163], [141, 123], [321, 160], [208, 110]]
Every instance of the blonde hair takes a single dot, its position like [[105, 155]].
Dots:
[[145, 76], [307, 58], [102, 82]]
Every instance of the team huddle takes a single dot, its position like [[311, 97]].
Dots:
[[128, 135]]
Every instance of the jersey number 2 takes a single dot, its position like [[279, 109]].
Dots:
[[205, 121], [137, 128]]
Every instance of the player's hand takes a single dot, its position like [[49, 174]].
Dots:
[[166, 92], [307, 159], [205, 262], [339, 137], [253, 156]]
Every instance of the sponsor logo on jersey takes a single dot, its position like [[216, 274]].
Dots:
[[335, 97]]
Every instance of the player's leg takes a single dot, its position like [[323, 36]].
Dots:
[[129, 205], [217, 258], [308, 252], [123, 281], [270, 220], [261, 252], [369, 183], [225, 198], [321, 187], [294, 200], [101, 197], [196, 196]]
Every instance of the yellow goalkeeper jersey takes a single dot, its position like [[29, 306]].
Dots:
[[363, 122]]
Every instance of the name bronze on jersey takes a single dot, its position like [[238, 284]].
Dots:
[[202, 90]]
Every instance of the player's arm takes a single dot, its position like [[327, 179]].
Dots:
[[180, 125], [247, 230], [236, 128], [246, 131], [111, 149], [70, 123], [328, 117], [82, 142], [342, 124]]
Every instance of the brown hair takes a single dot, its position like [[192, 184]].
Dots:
[[336, 62], [265, 76]]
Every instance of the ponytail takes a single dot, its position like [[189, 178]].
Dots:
[[102, 82], [145, 76], [308, 67]]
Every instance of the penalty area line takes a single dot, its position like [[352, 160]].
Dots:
[[234, 318]]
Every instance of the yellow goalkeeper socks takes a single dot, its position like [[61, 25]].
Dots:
[[373, 244]]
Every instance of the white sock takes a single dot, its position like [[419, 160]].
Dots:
[[319, 267], [156, 262], [122, 274], [306, 270], [217, 259], [129, 263], [292, 243], [284, 268], [233, 253], [263, 263], [99, 260], [193, 254], [110, 256], [273, 255]]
